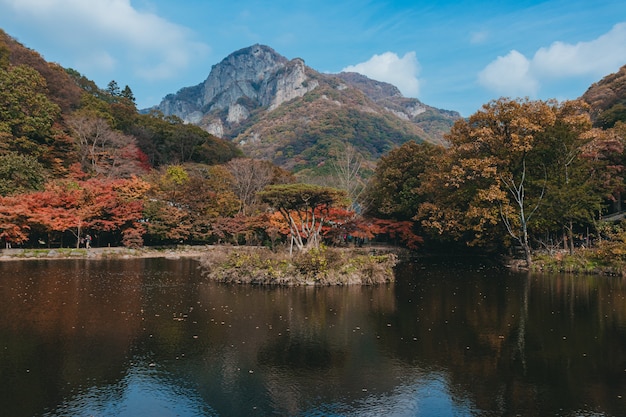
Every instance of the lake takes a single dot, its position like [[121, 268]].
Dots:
[[150, 337]]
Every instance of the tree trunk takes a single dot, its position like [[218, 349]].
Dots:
[[568, 237], [527, 251]]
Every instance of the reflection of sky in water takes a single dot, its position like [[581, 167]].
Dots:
[[427, 397], [143, 392], [146, 391]]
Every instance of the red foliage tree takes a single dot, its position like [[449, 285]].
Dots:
[[13, 220], [94, 204]]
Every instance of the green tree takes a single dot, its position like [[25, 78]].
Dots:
[[20, 174], [113, 88], [127, 93], [576, 169], [26, 113]]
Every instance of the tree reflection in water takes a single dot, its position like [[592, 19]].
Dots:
[[151, 337]]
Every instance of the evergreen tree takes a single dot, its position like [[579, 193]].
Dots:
[[127, 93]]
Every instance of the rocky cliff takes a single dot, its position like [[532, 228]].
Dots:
[[284, 111]]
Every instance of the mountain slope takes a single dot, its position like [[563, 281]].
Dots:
[[62, 90], [54, 115], [607, 98], [281, 110]]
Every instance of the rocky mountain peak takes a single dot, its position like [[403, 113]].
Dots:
[[248, 79]]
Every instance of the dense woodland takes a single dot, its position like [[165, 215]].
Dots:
[[518, 176]]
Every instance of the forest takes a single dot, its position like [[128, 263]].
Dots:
[[518, 177]]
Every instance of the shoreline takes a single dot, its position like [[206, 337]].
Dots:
[[246, 264], [20, 254], [120, 252]]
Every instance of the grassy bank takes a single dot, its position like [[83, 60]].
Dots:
[[323, 266], [582, 261], [100, 253]]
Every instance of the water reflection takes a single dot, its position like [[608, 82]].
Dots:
[[151, 337]]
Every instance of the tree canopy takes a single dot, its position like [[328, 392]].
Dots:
[[304, 208]]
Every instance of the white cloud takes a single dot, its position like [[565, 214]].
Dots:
[[598, 57], [388, 67], [509, 75], [515, 74], [154, 47]]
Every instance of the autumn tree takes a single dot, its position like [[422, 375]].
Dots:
[[62, 206], [486, 178], [121, 206], [249, 176], [504, 167], [103, 150], [348, 166], [14, 225], [581, 171], [304, 208], [185, 200], [96, 204], [165, 213], [394, 189]]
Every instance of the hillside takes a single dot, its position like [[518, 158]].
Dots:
[[607, 98], [286, 112], [57, 117], [60, 88]]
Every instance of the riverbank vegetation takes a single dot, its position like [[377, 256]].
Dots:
[[534, 179]]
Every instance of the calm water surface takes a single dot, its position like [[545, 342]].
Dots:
[[150, 337]]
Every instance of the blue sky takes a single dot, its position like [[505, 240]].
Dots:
[[455, 55]]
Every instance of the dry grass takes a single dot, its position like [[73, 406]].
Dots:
[[323, 266]]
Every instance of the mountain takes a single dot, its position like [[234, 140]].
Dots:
[[286, 112], [607, 99]]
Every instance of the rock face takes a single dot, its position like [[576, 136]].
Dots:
[[265, 102], [245, 80]]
